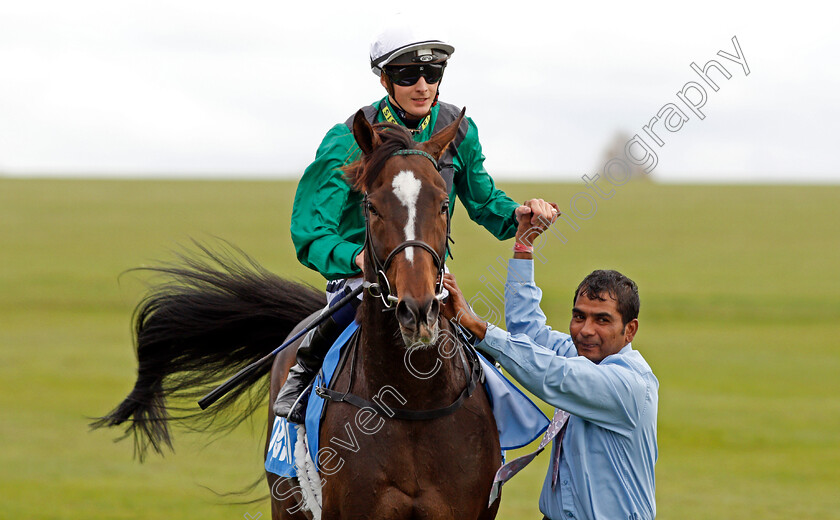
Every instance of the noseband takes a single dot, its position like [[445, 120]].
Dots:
[[382, 289]]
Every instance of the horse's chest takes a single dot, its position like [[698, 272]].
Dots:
[[401, 445], [412, 470], [402, 452], [441, 468]]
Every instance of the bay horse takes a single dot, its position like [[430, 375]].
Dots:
[[428, 448]]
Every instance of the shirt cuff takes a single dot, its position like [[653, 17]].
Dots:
[[494, 341], [349, 251], [520, 271]]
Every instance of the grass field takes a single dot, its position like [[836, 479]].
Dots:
[[740, 320]]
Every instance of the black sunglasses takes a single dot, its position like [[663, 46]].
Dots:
[[408, 75]]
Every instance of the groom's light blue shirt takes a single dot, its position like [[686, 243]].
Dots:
[[609, 450]]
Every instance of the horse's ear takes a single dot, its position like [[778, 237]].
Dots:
[[438, 143], [365, 136]]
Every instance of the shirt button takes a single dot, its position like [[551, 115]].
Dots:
[[569, 514], [565, 482]]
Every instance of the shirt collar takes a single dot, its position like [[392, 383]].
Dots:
[[390, 114], [626, 349]]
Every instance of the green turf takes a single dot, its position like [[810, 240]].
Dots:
[[740, 319]]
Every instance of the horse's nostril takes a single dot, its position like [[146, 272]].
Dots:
[[405, 315], [433, 309], [411, 315]]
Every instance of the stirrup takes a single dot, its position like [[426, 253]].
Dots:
[[297, 412]]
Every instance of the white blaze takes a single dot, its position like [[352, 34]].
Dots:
[[407, 190]]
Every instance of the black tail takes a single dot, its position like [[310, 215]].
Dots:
[[215, 313]]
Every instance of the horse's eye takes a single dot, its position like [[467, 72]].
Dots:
[[371, 209], [444, 208]]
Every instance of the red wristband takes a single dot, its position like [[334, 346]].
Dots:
[[519, 247]]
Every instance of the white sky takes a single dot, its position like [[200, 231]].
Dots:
[[249, 88]]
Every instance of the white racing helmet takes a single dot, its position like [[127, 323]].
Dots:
[[404, 45]]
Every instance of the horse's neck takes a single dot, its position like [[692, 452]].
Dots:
[[427, 378]]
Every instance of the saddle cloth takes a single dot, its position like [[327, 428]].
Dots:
[[518, 420]]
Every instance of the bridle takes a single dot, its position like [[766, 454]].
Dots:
[[382, 288]]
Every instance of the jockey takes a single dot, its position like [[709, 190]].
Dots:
[[328, 228]]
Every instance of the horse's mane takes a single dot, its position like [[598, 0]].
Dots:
[[361, 173]]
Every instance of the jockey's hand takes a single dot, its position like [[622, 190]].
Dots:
[[456, 309], [360, 260], [537, 211], [534, 217]]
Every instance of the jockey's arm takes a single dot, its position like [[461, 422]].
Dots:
[[327, 227], [487, 205]]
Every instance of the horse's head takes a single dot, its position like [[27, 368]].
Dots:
[[407, 215]]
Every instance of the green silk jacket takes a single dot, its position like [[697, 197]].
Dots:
[[328, 228]]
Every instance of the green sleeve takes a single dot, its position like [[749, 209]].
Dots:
[[485, 204], [327, 226]]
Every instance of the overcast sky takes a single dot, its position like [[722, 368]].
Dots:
[[249, 88]]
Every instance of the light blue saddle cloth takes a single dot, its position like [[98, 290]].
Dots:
[[518, 419]]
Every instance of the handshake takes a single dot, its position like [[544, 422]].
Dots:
[[534, 217]]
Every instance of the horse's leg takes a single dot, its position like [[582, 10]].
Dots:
[[285, 495]]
